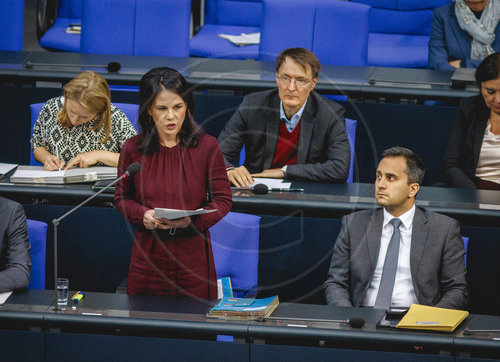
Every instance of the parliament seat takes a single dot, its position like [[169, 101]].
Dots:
[[68, 12], [336, 31], [399, 32], [37, 234], [11, 25], [227, 17], [235, 246]]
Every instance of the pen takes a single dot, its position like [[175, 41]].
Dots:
[[57, 155]]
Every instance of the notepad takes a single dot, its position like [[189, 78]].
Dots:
[[432, 318]]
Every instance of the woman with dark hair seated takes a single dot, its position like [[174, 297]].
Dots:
[[473, 156], [182, 168]]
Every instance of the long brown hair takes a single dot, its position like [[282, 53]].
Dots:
[[92, 91]]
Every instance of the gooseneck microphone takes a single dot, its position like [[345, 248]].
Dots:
[[131, 170], [354, 322], [261, 189], [112, 67]]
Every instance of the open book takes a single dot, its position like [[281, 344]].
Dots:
[[38, 175]]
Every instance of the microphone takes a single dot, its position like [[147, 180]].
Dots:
[[261, 189], [468, 332], [112, 67], [131, 170], [354, 322]]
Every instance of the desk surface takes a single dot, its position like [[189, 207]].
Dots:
[[248, 75], [101, 312], [471, 207]]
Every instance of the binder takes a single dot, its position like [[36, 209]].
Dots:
[[423, 317]]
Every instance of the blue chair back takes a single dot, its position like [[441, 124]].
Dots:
[[235, 245], [11, 25], [276, 36], [350, 126], [37, 233], [131, 111], [351, 22], [233, 12], [35, 109]]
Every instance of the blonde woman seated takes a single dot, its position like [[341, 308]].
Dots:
[[81, 128]]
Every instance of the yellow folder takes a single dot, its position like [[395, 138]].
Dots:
[[432, 318]]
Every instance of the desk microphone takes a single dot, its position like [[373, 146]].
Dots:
[[112, 67], [261, 189], [354, 322], [468, 332], [131, 170]]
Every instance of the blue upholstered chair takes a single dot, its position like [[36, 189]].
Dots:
[[130, 110], [146, 27], [336, 31], [399, 32], [11, 25], [37, 233], [68, 12], [341, 33], [227, 17], [350, 126], [235, 245]]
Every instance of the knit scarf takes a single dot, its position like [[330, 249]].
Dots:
[[481, 30]]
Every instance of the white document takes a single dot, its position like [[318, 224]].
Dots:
[[4, 296], [6, 167], [173, 214], [271, 183], [242, 39]]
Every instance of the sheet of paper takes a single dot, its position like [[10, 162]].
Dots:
[[242, 39], [272, 183], [173, 214], [4, 296], [6, 167]]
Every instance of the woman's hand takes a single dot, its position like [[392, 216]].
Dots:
[[52, 163], [150, 223], [166, 224], [84, 160]]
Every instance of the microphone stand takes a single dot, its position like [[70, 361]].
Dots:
[[56, 224]]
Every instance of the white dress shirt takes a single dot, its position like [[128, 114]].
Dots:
[[488, 164], [403, 294]]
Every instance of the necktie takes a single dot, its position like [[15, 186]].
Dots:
[[384, 295]]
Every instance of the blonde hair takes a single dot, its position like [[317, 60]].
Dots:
[[92, 91]]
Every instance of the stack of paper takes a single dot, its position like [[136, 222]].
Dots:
[[243, 308], [38, 175], [172, 214], [242, 39], [5, 168], [432, 318]]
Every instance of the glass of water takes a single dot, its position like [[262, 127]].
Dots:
[[62, 292]]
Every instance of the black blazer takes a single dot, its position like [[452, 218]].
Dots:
[[15, 261], [323, 150], [465, 142]]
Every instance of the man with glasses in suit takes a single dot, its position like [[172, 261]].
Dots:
[[290, 132]]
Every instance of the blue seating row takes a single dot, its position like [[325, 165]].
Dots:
[[358, 32]]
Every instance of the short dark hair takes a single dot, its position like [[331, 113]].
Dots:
[[415, 168], [152, 83], [301, 56], [488, 69]]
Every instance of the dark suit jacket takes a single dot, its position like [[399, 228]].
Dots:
[[323, 150], [15, 261], [436, 261], [449, 42], [464, 145]]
